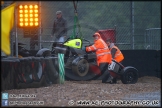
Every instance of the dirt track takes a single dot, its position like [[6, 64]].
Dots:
[[60, 95]]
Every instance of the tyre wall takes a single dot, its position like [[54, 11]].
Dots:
[[27, 72]]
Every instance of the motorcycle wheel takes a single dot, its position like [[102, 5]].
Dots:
[[81, 68], [130, 76]]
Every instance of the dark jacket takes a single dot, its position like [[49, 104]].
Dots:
[[59, 27]]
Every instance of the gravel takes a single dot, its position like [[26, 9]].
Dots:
[[71, 92]]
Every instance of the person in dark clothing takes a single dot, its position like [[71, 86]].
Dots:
[[59, 28], [33, 42]]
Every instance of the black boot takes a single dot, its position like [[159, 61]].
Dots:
[[106, 74], [114, 81], [109, 80]]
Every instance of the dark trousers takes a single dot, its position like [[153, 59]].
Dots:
[[33, 43], [104, 70]]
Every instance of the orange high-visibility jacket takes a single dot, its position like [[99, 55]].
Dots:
[[118, 55], [102, 51]]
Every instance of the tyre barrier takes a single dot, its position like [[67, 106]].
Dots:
[[8, 76], [52, 73], [28, 72]]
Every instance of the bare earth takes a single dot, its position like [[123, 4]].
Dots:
[[71, 92]]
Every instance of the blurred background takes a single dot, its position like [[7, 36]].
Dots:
[[137, 24]]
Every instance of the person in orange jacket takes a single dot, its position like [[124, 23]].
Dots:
[[115, 51], [103, 56], [116, 54]]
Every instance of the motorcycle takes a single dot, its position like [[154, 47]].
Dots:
[[79, 61], [76, 58]]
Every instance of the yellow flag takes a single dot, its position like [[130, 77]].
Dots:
[[7, 22]]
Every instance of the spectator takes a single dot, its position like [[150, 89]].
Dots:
[[59, 28], [33, 42]]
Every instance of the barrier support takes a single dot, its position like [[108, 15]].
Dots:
[[61, 68]]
